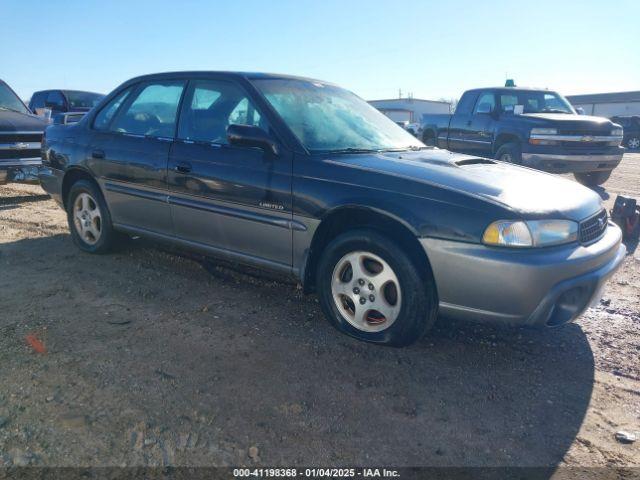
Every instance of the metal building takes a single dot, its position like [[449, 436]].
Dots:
[[608, 104], [409, 109]]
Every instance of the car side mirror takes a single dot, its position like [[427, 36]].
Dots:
[[580, 110], [250, 136], [485, 109]]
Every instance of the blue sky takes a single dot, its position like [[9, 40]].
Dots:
[[433, 49]]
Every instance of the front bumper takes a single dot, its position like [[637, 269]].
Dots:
[[570, 163], [23, 170], [547, 286]]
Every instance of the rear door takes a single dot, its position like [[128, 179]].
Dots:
[[231, 199], [129, 152]]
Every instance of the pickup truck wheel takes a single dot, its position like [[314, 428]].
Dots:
[[593, 179], [633, 143], [371, 290], [509, 152], [429, 139], [89, 219]]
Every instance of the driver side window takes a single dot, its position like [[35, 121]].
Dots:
[[152, 112], [486, 104], [210, 106]]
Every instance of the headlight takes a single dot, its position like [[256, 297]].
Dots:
[[617, 132], [544, 131], [535, 233], [508, 234], [553, 232]]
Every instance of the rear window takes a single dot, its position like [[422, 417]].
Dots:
[[104, 117], [82, 99]]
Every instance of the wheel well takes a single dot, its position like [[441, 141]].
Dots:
[[352, 218], [428, 134], [504, 138], [71, 177]]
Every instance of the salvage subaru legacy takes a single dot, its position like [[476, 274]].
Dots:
[[303, 177]]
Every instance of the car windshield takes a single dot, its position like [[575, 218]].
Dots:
[[535, 102], [10, 101], [83, 99], [326, 118]]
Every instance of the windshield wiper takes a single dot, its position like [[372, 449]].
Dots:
[[352, 150], [415, 148]]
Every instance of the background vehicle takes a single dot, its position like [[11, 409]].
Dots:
[[305, 178], [20, 137], [631, 126], [62, 101], [413, 128], [536, 128]]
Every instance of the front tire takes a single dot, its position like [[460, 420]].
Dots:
[[370, 289], [633, 143], [510, 153], [429, 139], [593, 179], [89, 219]]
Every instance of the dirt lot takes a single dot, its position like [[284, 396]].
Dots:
[[151, 359]]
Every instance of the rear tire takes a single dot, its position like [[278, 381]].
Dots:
[[89, 218], [593, 179], [510, 153], [387, 279]]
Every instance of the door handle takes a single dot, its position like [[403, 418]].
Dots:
[[183, 167], [468, 123], [98, 154]]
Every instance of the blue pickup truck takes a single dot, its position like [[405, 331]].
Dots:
[[534, 128]]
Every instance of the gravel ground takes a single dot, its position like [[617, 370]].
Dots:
[[149, 358]]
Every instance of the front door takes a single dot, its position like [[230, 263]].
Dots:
[[479, 134], [129, 152], [232, 200]]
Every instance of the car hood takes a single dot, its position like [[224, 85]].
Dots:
[[527, 192], [572, 122], [21, 122]]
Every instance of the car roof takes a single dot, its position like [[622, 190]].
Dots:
[[218, 73], [66, 90], [511, 89]]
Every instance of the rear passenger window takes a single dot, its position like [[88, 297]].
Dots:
[[103, 119], [153, 112], [210, 106]]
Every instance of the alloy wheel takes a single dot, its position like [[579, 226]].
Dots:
[[87, 218], [366, 291], [634, 143]]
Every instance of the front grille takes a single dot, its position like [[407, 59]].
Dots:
[[17, 145], [593, 228], [6, 154], [15, 137], [583, 145], [583, 133]]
